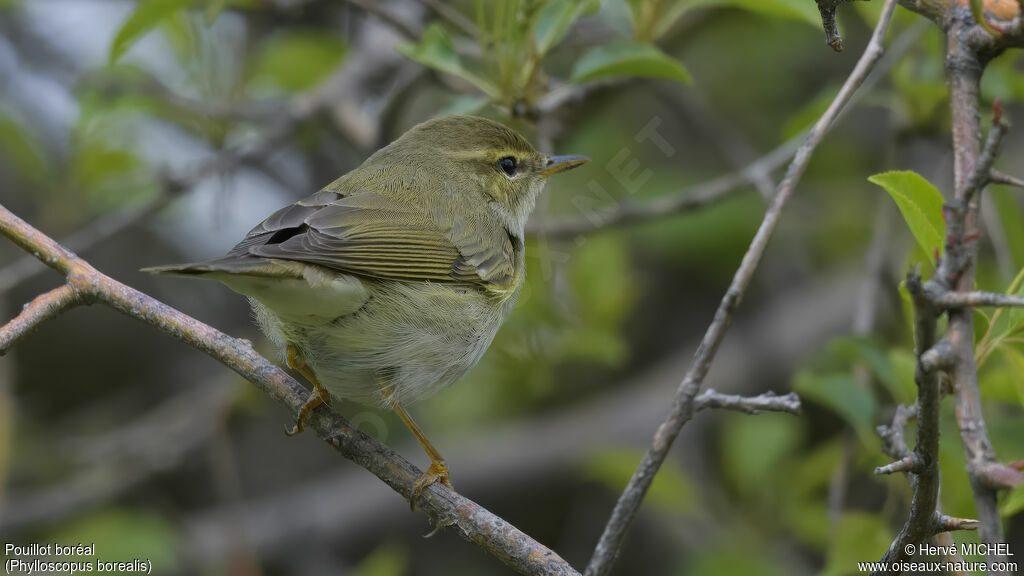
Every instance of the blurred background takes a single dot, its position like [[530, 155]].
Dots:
[[160, 131]]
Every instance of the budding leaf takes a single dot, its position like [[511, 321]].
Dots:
[[920, 203]]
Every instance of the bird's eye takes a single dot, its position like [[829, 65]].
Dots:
[[507, 165]]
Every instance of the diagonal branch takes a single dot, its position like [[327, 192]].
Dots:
[[683, 404], [39, 310], [444, 506], [998, 177]]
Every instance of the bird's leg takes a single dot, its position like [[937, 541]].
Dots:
[[438, 470], [319, 396]]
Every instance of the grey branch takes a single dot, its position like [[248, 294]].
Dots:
[[908, 463], [444, 506], [923, 461], [938, 357], [968, 49], [39, 310], [997, 177], [683, 404], [945, 523], [769, 402], [981, 174], [827, 9], [958, 300]]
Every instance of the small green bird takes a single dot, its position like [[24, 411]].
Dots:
[[390, 283]]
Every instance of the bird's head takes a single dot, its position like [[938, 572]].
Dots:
[[475, 156]]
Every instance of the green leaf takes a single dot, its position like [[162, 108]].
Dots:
[[147, 15], [436, 51], [843, 395], [297, 59], [554, 20], [804, 11], [920, 203], [628, 58]]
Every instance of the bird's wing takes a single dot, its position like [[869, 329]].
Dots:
[[377, 236]]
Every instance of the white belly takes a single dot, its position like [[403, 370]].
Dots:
[[416, 338]]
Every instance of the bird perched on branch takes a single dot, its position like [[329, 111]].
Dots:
[[390, 283]]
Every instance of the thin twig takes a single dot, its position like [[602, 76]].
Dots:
[[683, 404], [443, 505], [906, 464], [958, 300], [982, 172], [769, 402], [997, 177], [39, 310]]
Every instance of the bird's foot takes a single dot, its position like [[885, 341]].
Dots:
[[437, 472], [319, 396]]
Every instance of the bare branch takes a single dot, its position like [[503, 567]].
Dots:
[[683, 404], [443, 505], [938, 357], [923, 461], [982, 171], [39, 310], [827, 9], [945, 523], [968, 50], [958, 300], [893, 441], [769, 402], [906, 464], [997, 177]]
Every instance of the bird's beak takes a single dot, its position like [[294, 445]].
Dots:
[[556, 164]]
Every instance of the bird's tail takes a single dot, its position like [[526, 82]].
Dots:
[[231, 266]]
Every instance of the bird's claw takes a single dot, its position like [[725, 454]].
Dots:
[[437, 472]]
